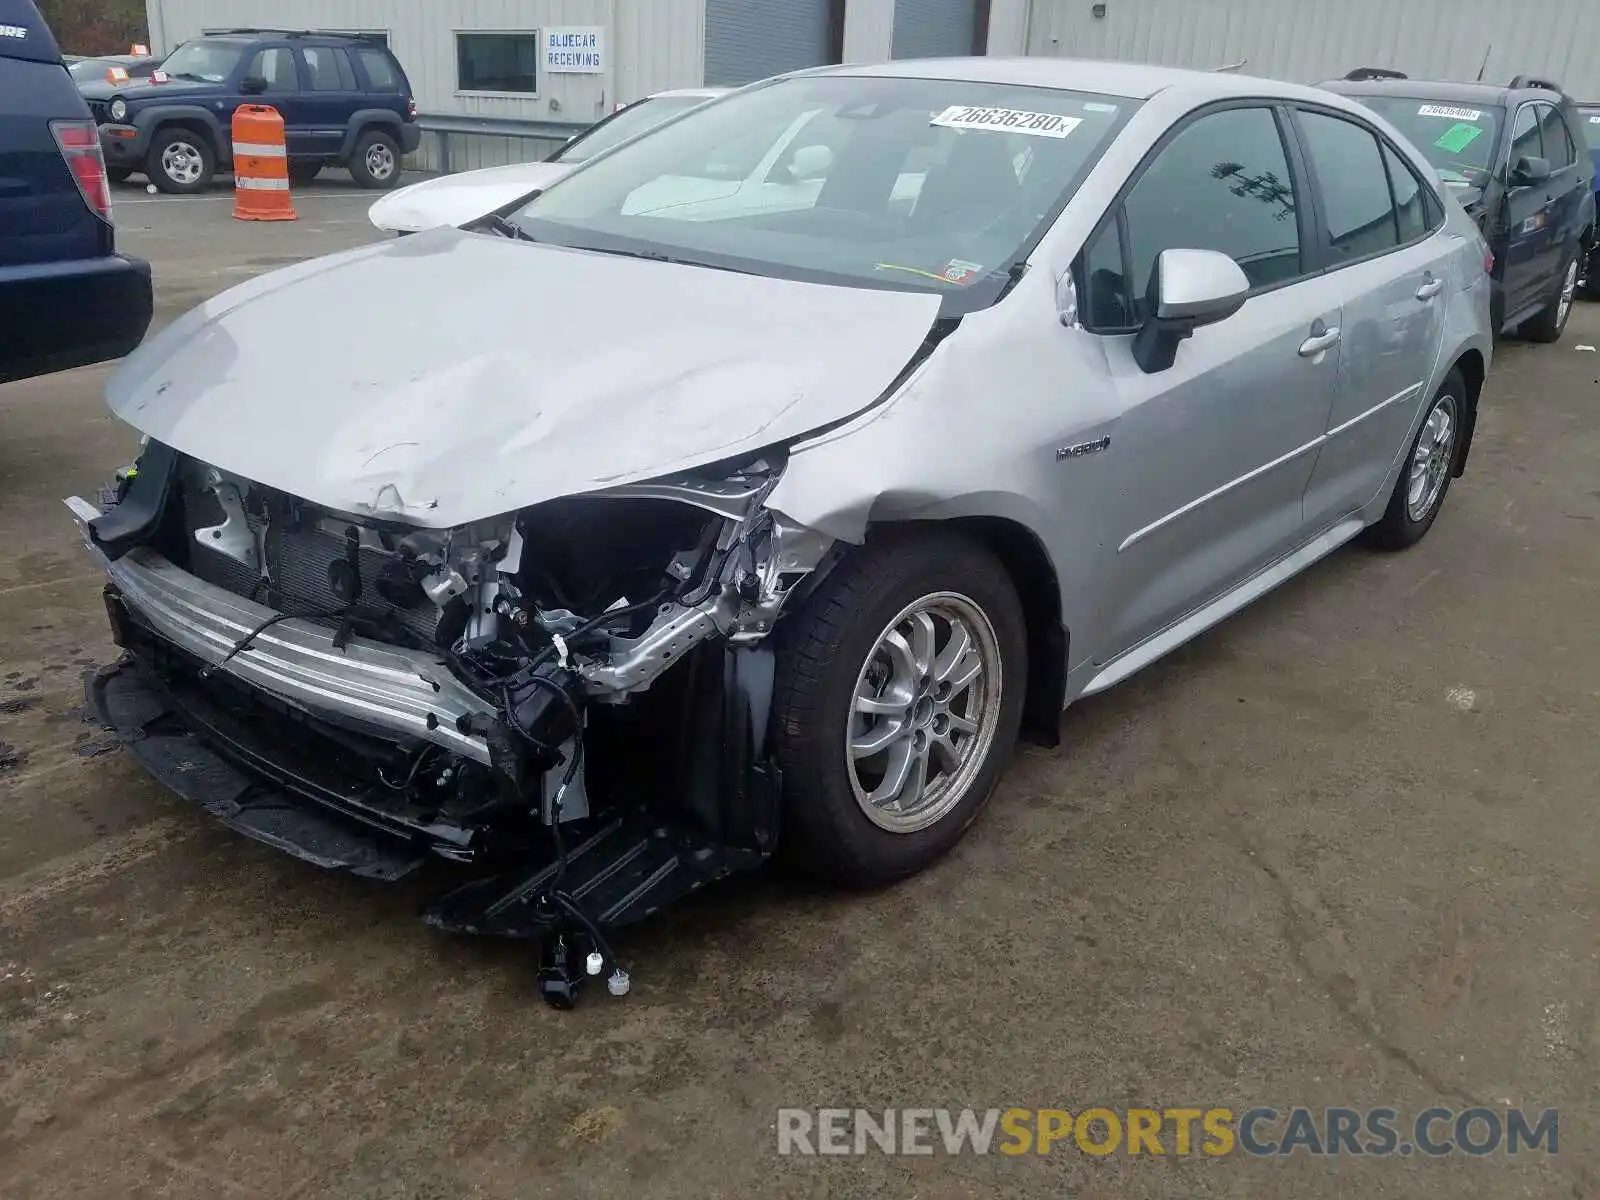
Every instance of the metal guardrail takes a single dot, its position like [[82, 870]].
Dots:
[[446, 125]]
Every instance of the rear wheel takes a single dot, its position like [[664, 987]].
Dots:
[[1426, 473], [375, 162], [898, 699], [181, 162], [1550, 323]]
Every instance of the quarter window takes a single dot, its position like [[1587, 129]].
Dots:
[[497, 62], [1358, 210], [380, 72], [1223, 183]]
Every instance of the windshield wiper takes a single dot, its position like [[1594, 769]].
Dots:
[[657, 256], [189, 75], [506, 227]]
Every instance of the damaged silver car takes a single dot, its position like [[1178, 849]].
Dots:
[[670, 519]]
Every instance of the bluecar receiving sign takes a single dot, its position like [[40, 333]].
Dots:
[[575, 50]]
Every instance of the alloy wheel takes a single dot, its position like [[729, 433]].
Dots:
[[925, 708]]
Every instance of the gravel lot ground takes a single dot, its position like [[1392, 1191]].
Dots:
[[1340, 851]]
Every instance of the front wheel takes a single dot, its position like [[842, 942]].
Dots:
[[181, 162], [1426, 472], [897, 703], [375, 163]]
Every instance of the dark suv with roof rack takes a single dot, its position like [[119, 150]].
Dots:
[[1517, 159], [67, 298], [344, 98]]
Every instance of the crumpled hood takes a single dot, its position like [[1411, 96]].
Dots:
[[450, 377], [456, 199]]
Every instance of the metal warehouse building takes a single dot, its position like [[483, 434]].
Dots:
[[484, 68]]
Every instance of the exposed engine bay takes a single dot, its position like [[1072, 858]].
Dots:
[[571, 698]]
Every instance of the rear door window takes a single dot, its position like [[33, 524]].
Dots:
[[328, 69], [1358, 211], [276, 66], [1413, 212]]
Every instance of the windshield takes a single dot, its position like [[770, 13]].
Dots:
[[618, 128], [917, 184], [207, 62], [1458, 139]]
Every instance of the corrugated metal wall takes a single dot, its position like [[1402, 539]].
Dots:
[[652, 45], [933, 28], [746, 40], [1304, 41]]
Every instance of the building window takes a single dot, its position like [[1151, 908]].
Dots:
[[497, 62]]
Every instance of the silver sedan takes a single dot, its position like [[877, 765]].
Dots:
[[764, 479]]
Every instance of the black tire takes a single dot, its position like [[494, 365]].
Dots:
[[304, 171], [373, 149], [1589, 274], [119, 174], [1551, 321], [829, 644], [181, 143], [1400, 527]]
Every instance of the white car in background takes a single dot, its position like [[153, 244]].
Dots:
[[454, 199]]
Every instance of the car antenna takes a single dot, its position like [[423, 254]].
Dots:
[[1231, 66], [1486, 52]]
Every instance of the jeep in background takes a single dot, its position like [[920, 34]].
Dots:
[[344, 98], [1517, 159], [67, 298]]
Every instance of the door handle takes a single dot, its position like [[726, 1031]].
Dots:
[[1430, 289], [1318, 342]]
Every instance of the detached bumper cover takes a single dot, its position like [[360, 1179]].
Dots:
[[147, 721]]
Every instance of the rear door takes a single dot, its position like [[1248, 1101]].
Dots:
[[1377, 226], [329, 97]]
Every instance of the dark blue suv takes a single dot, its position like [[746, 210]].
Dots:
[[345, 100], [1516, 158], [67, 298]]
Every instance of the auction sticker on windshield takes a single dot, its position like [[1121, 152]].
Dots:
[[1449, 113], [1006, 120], [1458, 137]]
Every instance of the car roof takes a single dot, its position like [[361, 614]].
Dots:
[[1483, 94], [1134, 81], [706, 93]]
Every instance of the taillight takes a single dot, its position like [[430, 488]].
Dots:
[[411, 107], [79, 142], [1488, 261]]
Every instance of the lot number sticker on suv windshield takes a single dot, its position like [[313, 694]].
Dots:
[[1448, 113], [1006, 120]]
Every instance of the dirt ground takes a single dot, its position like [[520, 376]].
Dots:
[[1340, 851]]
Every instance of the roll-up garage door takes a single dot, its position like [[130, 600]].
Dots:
[[934, 28], [748, 40]]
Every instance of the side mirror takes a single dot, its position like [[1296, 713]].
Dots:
[[1530, 171], [1188, 289], [810, 162], [253, 85]]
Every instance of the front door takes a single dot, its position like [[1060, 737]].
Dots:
[[1527, 218], [272, 80], [1380, 238], [1219, 447]]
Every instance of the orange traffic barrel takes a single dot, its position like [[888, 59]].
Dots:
[[260, 165]]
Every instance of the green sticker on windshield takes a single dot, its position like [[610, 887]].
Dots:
[[1458, 137]]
